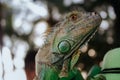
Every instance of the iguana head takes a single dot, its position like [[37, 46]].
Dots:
[[75, 29]]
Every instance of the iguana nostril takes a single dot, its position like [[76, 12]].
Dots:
[[93, 13]]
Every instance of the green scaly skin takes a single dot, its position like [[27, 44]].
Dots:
[[57, 58]]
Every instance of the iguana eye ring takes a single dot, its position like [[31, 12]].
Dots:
[[64, 46], [73, 17]]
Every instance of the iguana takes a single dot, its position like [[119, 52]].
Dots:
[[57, 58]]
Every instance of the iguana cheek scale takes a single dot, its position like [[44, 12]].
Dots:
[[57, 58]]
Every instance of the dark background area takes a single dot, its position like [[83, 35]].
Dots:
[[104, 40]]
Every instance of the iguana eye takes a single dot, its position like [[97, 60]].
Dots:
[[73, 17], [64, 46]]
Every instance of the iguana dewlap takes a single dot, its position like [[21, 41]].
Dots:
[[63, 41]]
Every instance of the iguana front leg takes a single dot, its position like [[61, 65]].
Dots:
[[68, 68], [63, 42], [44, 68], [70, 63]]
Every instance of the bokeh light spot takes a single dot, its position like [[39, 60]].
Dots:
[[3, 22], [84, 74], [111, 12], [103, 14], [84, 48], [1, 66], [40, 9], [104, 25], [18, 63], [20, 48], [7, 41], [40, 28], [18, 74], [78, 1], [38, 41], [39, 37], [67, 2], [110, 40], [92, 53], [7, 59], [81, 66], [55, 14]]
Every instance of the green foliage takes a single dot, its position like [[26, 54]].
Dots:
[[94, 71]]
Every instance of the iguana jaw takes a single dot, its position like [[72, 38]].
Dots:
[[81, 42]]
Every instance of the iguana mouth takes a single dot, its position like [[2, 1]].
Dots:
[[80, 43]]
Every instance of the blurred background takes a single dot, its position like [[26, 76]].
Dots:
[[22, 27]]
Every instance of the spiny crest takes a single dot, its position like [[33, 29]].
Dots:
[[48, 30], [52, 29]]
